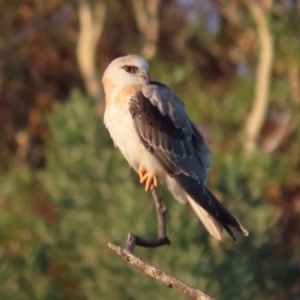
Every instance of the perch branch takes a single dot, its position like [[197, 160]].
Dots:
[[160, 275], [162, 239]]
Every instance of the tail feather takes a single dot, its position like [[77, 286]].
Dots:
[[229, 219], [210, 223], [212, 213]]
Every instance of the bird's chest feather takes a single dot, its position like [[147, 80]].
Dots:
[[119, 123]]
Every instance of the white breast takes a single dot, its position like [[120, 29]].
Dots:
[[121, 128], [120, 125]]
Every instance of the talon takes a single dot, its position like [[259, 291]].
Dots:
[[142, 171], [148, 178]]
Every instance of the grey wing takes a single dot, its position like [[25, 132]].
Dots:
[[164, 126], [166, 131]]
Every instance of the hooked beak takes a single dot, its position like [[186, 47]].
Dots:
[[145, 75]]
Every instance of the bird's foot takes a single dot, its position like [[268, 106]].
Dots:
[[147, 178]]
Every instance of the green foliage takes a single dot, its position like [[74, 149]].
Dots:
[[56, 221], [99, 201]]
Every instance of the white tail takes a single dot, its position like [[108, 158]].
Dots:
[[210, 223]]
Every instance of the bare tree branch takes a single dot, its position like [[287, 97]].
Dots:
[[162, 239], [257, 115], [148, 23], [160, 275], [91, 20]]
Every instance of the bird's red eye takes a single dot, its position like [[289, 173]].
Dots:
[[130, 69]]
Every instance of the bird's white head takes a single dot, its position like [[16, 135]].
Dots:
[[127, 70]]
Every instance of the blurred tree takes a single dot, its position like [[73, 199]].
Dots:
[[258, 113], [63, 200], [91, 20], [146, 13]]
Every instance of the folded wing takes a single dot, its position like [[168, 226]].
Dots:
[[166, 131]]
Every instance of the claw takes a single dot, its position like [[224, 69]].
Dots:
[[147, 178], [142, 171]]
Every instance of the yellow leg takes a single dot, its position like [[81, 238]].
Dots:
[[147, 178]]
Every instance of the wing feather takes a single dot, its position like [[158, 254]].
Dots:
[[166, 131]]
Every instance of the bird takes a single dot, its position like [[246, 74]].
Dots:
[[148, 123]]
